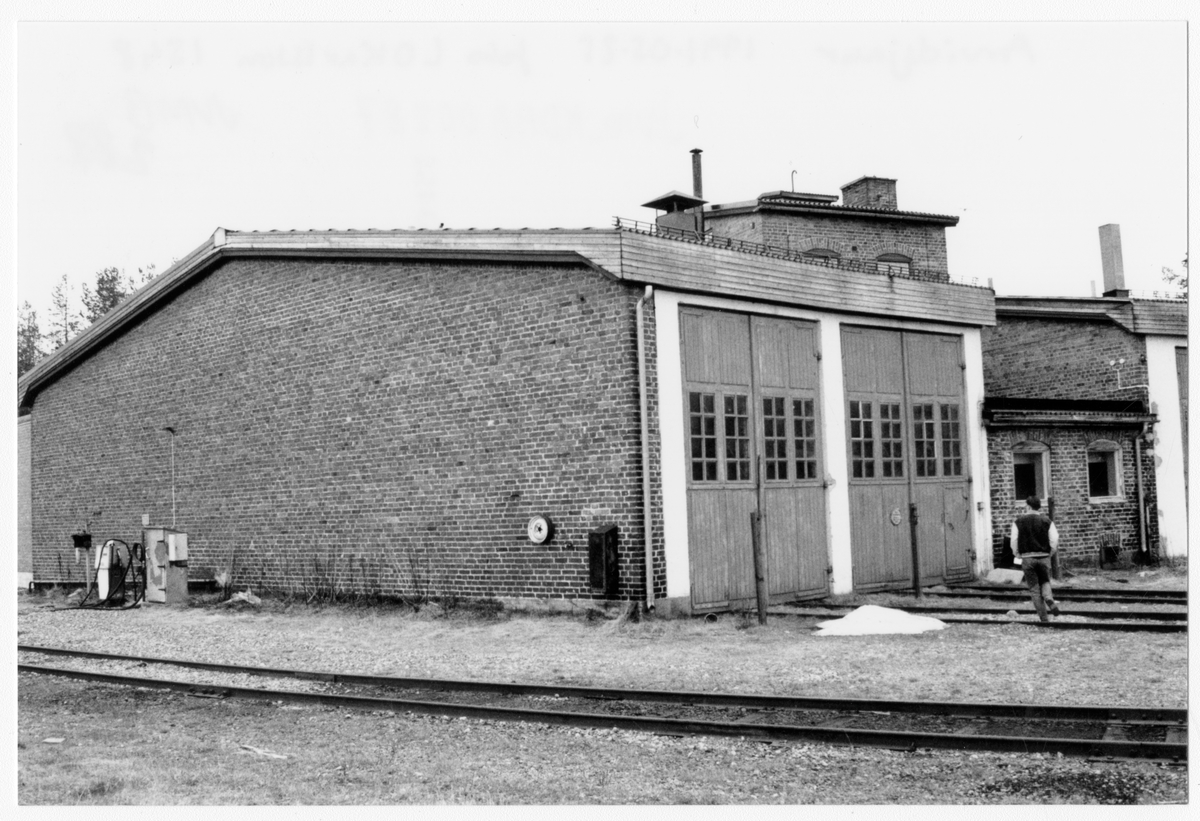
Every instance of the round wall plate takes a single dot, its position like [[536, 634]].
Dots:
[[540, 529]]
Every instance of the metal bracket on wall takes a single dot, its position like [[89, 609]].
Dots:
[[1116, 364]]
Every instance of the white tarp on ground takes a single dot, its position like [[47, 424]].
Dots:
[[871, 619], [1005, 576]]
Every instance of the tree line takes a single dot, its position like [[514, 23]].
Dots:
[[63, 322]]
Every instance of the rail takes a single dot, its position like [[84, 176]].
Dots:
[[949, 725]]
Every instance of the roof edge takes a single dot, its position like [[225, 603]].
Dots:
[[832, 210], [225, 244]]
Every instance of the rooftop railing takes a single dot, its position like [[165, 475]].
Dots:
[[1165, 296], [760, 249]]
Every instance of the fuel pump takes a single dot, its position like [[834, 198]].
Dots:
[[117, 575]]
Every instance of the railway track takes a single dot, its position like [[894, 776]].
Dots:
[[1100, 732], [946, 614], [1060, 594], [969, 605], [1105, 615], [1065, 592]]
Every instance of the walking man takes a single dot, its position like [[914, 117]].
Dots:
[[1034, 538]]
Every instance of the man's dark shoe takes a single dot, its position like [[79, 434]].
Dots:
[[1054, 609]]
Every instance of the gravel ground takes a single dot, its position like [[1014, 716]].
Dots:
[[734, 654], [546, 765], [85, 743]]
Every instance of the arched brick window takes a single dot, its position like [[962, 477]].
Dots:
[[893, 263], [1031, 470], [824, 255], [1104, 470]]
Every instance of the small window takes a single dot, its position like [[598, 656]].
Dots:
[[1030, 470], [862, 441], [1103, 467], [775, 460], [703, 418], [924, 447], [824, 256], [804, 423], [951, 441], [737, 439], [893, 264], [891, 440]]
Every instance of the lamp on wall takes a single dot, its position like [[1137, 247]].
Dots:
[[1117, 364], [171, 431]]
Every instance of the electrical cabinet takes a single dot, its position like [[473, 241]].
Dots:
[[166, 565]]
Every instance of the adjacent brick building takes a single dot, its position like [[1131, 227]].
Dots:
[[388, 407], [1086, 404]]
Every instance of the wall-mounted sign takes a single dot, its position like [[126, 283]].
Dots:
[[897, 517]]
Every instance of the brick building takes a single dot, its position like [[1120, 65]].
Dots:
[[385, 405], [1087, 404]]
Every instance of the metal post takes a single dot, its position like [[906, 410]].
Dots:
[[756, 545], [916, 552], [760, 579], [172, 480], [1141, 493], [1055, 569], [171, 431]]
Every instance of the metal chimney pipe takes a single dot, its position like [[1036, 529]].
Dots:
[[698, 189], [1110, 260]]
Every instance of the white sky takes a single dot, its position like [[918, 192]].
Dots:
[[137, 140]]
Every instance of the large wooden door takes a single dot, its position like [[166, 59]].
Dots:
[[750, 392], [905, 445]]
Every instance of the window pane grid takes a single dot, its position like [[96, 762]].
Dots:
[[891, 439], [702, 417], [775, 461], [924, 447], [737, 439], [951, 442], [804, 433], [862, 440]]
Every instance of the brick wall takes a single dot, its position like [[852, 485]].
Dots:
[[1061, 359], [1080, 521], [392, 415], [857, 239]]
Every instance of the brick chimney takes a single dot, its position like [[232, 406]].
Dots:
[[870, 192], [1110, 259]]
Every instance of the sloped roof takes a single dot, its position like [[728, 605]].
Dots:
[[1166, 317], [793, 202], [674, 201], [619, 253]]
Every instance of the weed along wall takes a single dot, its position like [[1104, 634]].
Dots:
[[399, 420]]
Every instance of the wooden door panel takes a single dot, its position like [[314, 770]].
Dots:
[[724, 354], [931, 531], [786, 354], [908, 371], [795, 541], [716, 348], [879, 549]]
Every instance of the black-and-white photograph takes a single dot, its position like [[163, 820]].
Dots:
[[508, 407]]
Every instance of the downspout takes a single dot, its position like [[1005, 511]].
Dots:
[[1141, 491], [642, 401]]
